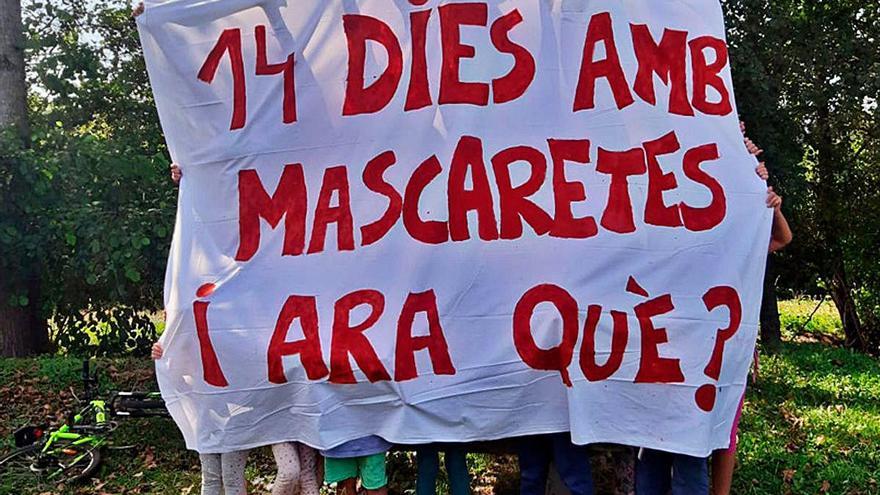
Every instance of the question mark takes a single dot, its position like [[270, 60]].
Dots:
[[713, 299]]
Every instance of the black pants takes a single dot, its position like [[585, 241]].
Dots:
[[572, 462]]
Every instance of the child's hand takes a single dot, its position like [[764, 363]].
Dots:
[[773, 200], [176, 174], [157, 351], [762, 171], [750, 145], [138, 10]]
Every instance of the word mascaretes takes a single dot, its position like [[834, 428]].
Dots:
[[289, 200]]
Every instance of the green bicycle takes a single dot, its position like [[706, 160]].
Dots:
[[72, 452]]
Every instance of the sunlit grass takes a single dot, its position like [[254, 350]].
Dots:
[[796, 319]]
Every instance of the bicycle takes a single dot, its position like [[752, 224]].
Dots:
[[72, 452]]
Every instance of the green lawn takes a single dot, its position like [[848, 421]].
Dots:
[[811, 424], [810, 320]]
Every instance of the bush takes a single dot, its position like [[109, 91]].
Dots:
[[121, 331]]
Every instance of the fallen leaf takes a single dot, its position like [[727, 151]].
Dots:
[[149, 458]]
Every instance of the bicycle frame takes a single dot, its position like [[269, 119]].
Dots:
[[64, 438], [51, 453]]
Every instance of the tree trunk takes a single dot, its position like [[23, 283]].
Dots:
[[771, 328], [841, 293], [13, 91], [832, 230], [23, 331]]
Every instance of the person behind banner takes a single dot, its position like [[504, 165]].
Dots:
[[724, 461], [361, 459], [428, 462], [665, 473], [572, 462], [222, 474]]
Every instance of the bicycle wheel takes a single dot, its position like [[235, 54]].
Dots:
[[29, 467], [139, 404]]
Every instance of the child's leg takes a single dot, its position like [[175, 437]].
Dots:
[[343, 472], [287, 460], [456, 468], [371, 469], [212, 481], [534, 464], [723, 466], [690, 475], [724, 461], [573, 464], [233, 465], [308, 461], [428, 462], [653, 472]]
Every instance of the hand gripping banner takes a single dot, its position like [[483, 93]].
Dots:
[[455, 221]]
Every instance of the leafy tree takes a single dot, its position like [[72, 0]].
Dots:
[[808, 79], [95, 208]]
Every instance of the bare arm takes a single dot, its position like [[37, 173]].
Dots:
[[781, 234]]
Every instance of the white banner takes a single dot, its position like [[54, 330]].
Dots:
[[455, 221]]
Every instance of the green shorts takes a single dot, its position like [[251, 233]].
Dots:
[[370, 469]]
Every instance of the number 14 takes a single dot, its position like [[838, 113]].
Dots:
[[230, 43]]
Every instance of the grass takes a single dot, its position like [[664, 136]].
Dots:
[[810, 320], [811, 424]]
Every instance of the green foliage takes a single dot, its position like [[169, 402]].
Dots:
[[88, 207], [98, 224], [24, 187], [86, 60], [108, 332], [807, 75]]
